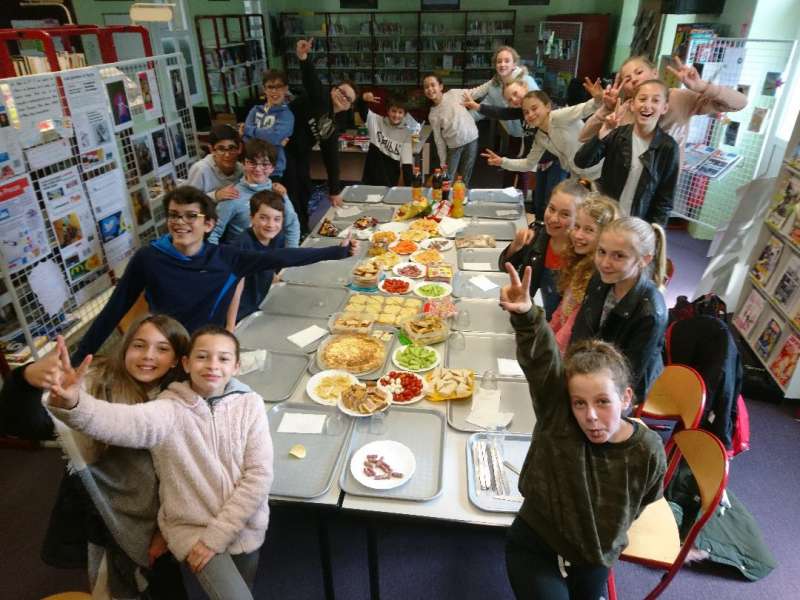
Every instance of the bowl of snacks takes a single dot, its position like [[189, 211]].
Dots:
[[366, 273], [429, 226], [449, 384], [424, 329], [386, 260], [416, 359], [437, 243], [363, 400], [326, 387], [404, 247], [410, 270], [383, 237], [433, 290], [414, 235], [365, 222], [403, 387], [427, 257], [396, 285]]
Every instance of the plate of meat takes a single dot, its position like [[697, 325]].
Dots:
[[383, 464]]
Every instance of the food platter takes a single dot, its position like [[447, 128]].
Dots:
[[369, 389], [412, 270], [400, 363], [351, 352], [398, 385], [437, 243], [315, 381], [398, 455], [394, 285], [426, 289]]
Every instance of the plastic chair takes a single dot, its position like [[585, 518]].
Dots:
[[653, 538], [679, 394], [70, 596]]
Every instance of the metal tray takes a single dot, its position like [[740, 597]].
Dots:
[[270, 331], [514, 449], [303, 300], [402, 195], [484, 316], [481, 351], [359, 193], [423, 431], [462, 288], [327, 242], [494, 195], [314, 475], [277, 389], [381, 212], [488, 210], [315, 365], [470, 258], [328, 273], [500, 230], [514, 397]]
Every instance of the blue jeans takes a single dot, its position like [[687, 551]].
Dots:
[[461, 160], [229, 576]]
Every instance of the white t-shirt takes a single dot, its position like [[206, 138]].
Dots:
[[640, 146], [393, 141]]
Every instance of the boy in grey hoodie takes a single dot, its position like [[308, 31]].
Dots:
[[218, 173]]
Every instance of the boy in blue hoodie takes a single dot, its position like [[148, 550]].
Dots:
[[188, 279], [233, 216], [272, 121]]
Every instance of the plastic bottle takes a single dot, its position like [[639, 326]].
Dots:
[[459, 195], [416, 186], [436, 185], [445, 183]]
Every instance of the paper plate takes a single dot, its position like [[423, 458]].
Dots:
[[398, 456], [420, 267], [393, 247], [448, 289], [315, 380], [447, 244], [410, 283], [413, 400], [352, 413]]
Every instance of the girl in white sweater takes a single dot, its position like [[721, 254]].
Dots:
[[212, 452]]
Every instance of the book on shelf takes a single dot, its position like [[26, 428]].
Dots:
[[748, 315], [768, 336], [767, 260], [785, 291], [785, 202], [782, 367]]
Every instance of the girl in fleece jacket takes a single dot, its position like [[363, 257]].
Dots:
[[212, 452]]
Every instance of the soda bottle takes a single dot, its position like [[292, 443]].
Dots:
[[436, 185], [416, 186], [459, 194], [445, 183]]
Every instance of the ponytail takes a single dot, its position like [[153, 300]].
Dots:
[[646, 240], [660, 257]]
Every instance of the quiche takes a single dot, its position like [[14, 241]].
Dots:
[[354, 353]]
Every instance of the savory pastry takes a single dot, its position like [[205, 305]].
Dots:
[[441, 272], [366, 273], [328, 229], [365, 222], [427, 257], [384, 237], [364, 399], [428, 225], [414, 235], [354, 353], [449, 384], [351, 323], [426, 329], [475, 241]]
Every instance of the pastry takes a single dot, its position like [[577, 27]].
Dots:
[[354, 353]]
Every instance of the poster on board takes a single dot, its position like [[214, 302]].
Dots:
[[114, 215], [151, 101], [23, 233]]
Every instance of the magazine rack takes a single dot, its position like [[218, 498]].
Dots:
[[769, 316]]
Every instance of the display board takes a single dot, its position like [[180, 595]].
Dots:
[[85, 157]]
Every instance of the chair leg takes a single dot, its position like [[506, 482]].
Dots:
[[612, 586], [662, 585]]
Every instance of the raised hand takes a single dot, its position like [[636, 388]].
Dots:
[[612, 121], [350, 243], [370, 97], [199, 556], [64, 394], [611, 93], [469, 103], [303, 47], [595, 90], [522, 238], [278, 188], [493, 159], [45, 372], [516, 296], [229, 192], [688, 75], [336, 200]]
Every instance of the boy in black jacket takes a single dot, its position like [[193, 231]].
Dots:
[[390, 142], [642, 162], [319, 116]]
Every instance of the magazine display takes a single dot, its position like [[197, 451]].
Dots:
[[785, 291], [750, 312], [767, 260], [785, 203], [707, 161], [768, 337], [783, 365]]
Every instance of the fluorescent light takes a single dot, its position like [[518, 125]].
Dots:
[[152, 13]]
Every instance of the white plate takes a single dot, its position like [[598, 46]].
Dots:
[[422, 268], [371, 237], [427, 243], [398, 456], [404, 368], [396, 226], [447, 287], [410, 283], [393, 245], [352, 413], [416, 254], [413, 400], [314, 382]]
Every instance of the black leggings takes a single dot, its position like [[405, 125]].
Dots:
[[535, 575]]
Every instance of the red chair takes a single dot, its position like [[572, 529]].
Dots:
[[654, 538]]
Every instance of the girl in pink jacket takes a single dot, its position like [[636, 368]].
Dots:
[[212, 452]]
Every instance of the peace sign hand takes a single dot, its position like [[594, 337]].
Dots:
[[516, 296], [595, 90], [612, 121], [370, 97], [493, 159], [65, 393], [469, 103], [611, 93], [688, 75], [303, 47]]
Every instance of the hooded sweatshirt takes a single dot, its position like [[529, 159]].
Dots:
[[195, 290], [213, 458], [205, 175], [233, 216], [494, 97], [272, 124]]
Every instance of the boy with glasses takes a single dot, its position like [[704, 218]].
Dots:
[[233, 216], [218, 172], [183, 276], [272, 121], [320, 115]]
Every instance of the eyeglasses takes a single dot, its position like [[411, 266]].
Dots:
[[346, 97], [226, 149], [275, 86], [257, 165], [187, 217]]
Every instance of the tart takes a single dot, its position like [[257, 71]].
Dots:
[[354, 353], [328, 229]]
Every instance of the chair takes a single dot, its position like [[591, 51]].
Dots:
[[653, 537], [679, 394], [69, 596], [139, 309]]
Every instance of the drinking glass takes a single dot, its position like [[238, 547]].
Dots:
[[462, 320], [335, 423], [489, 380], [457, 341]]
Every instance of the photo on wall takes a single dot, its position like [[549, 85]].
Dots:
[[178, 91], [161, 147], [178, 140], [141, 206], [120, 108], [143, 153]]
